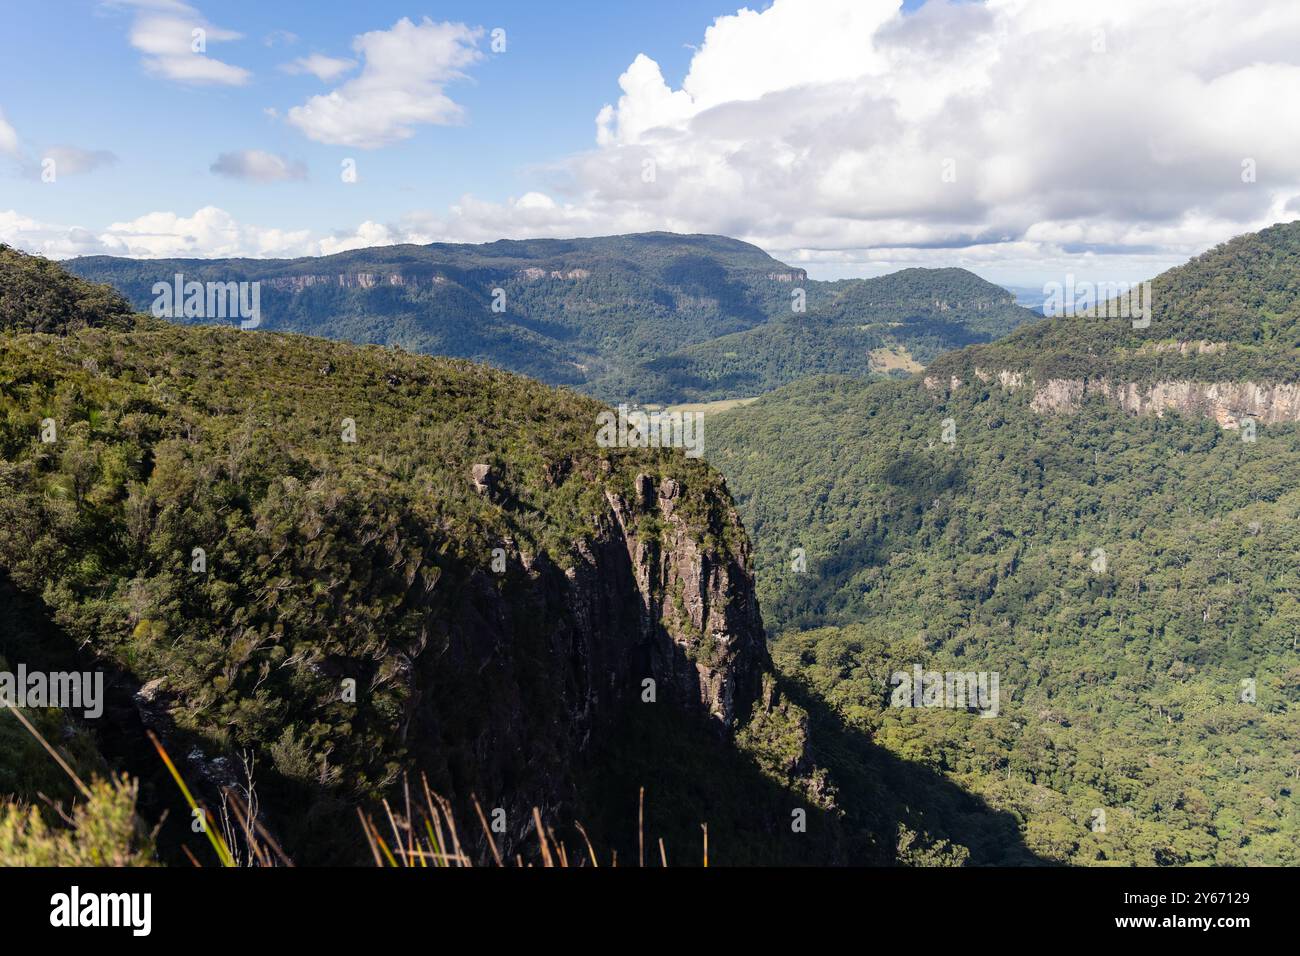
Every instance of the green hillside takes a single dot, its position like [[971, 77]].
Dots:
[[1241, 299], [1125, 575], [198, 526], [322, 559], [571, 311], [916, 313], [37, 295]]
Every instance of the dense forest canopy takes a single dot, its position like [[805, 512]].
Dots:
[[1129, 580], [1133, 580], [37, 295], [324, 559]]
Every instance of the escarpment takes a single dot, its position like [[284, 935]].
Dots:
[[1217, 337], [699, 597], [530, 667], [1228, 403], [320, 571]]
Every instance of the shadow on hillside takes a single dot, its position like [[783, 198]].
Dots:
[[691, 775], [29, 635], [880, 792], [825, 596]]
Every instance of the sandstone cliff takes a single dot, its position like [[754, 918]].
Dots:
[[1228, 403]]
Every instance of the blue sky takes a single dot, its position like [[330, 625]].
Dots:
[[853, 137], [526, 107]]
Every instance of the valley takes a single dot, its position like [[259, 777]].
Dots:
[[1094, 522]]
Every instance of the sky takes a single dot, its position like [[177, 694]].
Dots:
[[1025, 140]]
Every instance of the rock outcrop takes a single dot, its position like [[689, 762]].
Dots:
[[531, 666], [352, 280], [1228, 403], [700, 618]]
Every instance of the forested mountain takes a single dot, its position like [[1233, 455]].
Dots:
[[1104, 515], [1229, 315], [1132, 578], [656, 317], [319, 570], [889, 326], [37, 295]]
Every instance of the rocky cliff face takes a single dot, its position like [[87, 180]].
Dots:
[[515, 680], [701, 600], [526, 673], [1228, 403], [374, 280], [352, 280], [357, 566]]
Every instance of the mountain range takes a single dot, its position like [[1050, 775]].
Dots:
[[420, 564], [322, 572], [651, 318]]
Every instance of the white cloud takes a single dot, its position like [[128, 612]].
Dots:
[[174, 37], [1105, 139], [209, 233], [259, 167], [400, 85], [324, 68], [366, 235], [57, 242], [821, 130], [212, 232]]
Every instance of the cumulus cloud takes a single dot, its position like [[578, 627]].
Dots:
[[174, 37], [324, 68], [254, 165], [212, 232], [401, 85], [208, 233], [55, 241], [366, 235], [1020, 139], [837, 132]]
